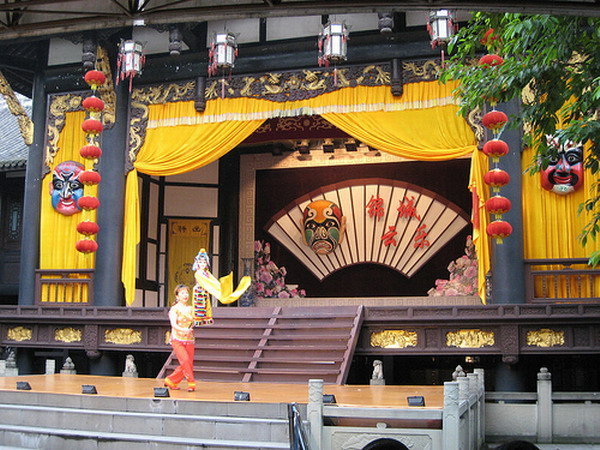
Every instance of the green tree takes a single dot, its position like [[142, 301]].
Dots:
[[555, 60]]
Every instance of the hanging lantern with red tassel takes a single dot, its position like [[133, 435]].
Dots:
[[494, 120], [496, 178], [499, 229], [491, 60], [94, 78], [495, 148], [90, 177], [93, 104], [90, 152], [498, 205], [92, 126], [86, 246], [88, 203], [87, 228]]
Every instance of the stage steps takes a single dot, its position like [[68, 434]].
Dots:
[[40, 420], [279, 344]]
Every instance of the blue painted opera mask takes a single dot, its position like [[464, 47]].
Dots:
[[65, 187]]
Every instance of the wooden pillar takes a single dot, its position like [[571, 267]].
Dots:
[[33, 182], [108, 288], [508, 277]]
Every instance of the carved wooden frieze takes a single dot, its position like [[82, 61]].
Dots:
[[545, 337], [68, 334], [394, 339], [122, 336], [470, 338], [17, 110], [19, 334]]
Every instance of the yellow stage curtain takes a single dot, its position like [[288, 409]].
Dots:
[[421, 125], [186, 237], [58, 234], [480, 218], [551, 223]]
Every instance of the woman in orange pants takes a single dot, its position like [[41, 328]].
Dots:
[[181, 316]]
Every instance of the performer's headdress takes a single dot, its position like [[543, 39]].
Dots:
[[202, 255]]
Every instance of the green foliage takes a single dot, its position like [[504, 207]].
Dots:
[[552, 63]]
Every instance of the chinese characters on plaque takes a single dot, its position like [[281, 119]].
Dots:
[[406, 211]]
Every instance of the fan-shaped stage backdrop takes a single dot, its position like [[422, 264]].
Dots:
[[388, 222]]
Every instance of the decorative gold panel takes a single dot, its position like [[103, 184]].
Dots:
[[67, 334], [19, 334], [470, 338], [545, 337], [168, 337], [394, 339], [123, 336]]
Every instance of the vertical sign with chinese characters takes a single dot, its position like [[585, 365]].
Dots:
[[185, 238]]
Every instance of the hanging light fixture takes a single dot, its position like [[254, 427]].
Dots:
[[222, 53], [131, 59], [441, 28], [333, 46]]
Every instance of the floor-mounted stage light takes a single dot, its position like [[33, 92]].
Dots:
[[161, 392], [329, 398], [416, 400], [23, 386], [88, 389], [241, 396]]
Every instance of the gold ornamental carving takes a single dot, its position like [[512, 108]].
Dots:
[[545, 337], [67, 334], [123, 336], [167, 337], [470, 338], [17, 110], [107, 90], [19, 334], [59, 106], [394, 339]]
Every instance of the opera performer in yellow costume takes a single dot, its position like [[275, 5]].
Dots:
[[183, 317]]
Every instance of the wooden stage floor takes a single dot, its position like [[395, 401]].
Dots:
[[346, 395]]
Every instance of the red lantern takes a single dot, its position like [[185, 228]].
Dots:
[[494, 120], [498, 205], [90, 152], [495, 148], [86, 246], [94, 78], [92, 126], [499, 229], [496, 178], [88, 203], [90, 177], [93, 104], [488, 38], [88, 228], [490, 61]]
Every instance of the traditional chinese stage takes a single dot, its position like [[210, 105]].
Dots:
[[346, 395]]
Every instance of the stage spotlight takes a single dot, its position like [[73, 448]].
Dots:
[[88, 389], [303, 147], [328, 146], [329, 398], [241, 396], [416, 400], [23, 386], [351, 145], [161, 392]]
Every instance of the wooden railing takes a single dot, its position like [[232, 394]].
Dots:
[[64, 286], [561, 280]]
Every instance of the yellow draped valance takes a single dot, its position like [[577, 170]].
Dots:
[[423, 124]]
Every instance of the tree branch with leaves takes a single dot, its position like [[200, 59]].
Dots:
[[552, 64]]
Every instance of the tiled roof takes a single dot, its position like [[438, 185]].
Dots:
[[13, 151]]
